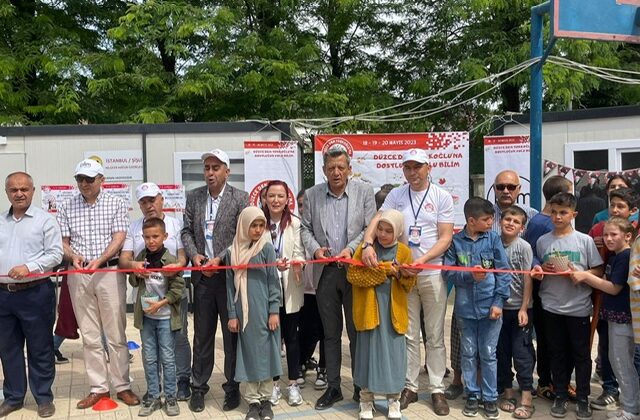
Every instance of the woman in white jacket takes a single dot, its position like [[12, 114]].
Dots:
[[284, 233]]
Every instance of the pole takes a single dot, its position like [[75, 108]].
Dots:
[[535, 122]]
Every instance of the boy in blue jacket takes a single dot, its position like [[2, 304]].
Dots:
[[480, 297]]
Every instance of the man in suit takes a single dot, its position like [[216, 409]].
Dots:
[[210, 221], [335, 216]]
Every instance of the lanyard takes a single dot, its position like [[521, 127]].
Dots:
[[279, 240], [415, 214]]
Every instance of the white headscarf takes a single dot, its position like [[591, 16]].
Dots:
[[396, 220], [242, 250]]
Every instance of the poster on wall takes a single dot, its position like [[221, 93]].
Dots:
[[268, 160], [502, 153], [53, 195], [175, 199], [119, 165], [376, 159]]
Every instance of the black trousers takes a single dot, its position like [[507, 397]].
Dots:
[[311, 331], [289, 324], [568, 336], [515, 343], [210, 303], [542, 354], [27, 316], [334, 294]]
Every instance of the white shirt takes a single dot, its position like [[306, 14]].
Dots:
[[34, 241], [135, 242], [436, 208], [210, 216]]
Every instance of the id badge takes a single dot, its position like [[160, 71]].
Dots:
[[414, 235], [208, 229]]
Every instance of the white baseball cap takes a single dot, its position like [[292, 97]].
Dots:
[[218, 154], [148, 189], [90, 168], [416, 155]]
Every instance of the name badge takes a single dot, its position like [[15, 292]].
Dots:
[[208, 229], [415, 232]]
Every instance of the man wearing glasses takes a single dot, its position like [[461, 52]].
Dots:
[[94, 225], [507, 190]]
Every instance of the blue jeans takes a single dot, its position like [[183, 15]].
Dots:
[[609, 381], [158, 344], [479, 340]]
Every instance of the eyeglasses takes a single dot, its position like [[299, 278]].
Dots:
[[86, 179], [274, 231], [510, 187]]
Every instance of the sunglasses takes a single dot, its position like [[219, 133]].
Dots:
[[274, 231], [510, 187], [86, 179]]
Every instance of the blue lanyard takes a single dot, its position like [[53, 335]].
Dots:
[[415, 214], [279, 244]]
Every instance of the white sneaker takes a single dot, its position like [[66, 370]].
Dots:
[[275, 394], [622, 415], [295, 398], [394, 409], [366, 411]]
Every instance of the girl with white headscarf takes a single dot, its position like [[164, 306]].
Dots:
[[253, 301], [380, 315]]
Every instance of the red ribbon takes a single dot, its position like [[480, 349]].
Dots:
[[274, 264]]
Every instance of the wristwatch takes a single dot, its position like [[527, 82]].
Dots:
[[366, 245]]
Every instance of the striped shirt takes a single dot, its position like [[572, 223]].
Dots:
[[90, 227], [337, 208], [498, 213], [634, 289]]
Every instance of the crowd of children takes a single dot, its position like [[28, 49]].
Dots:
[[505, 285]]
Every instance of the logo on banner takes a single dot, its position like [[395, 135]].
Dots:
[[254, 196], [339, 141]]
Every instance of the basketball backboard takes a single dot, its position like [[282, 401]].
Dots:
[[605, 20]]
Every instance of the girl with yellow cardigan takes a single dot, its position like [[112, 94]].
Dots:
[[381, 318]]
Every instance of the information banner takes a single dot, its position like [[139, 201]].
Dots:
[[119, 165], [175, 199], [268, 160], [376, 159], [502, 153], [53, 195]]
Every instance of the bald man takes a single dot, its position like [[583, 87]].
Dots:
[[507, 189]]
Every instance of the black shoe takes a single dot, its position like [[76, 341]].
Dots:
[[6, 409], [254, 412], [60, 359], [266, 413], [330, 397], [231, 400], [559, 407], [471, 407], [583, 411], [491, 410], [356, 393], [196, 403], [184, 391]]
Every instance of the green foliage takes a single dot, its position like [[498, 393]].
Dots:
[[213, 60]]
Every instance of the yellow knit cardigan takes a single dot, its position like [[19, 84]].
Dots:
[[365, 304]]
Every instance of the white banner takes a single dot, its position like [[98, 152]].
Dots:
[[270, 160], [119, 165], [53, 195], [502, 153], [376, 159]]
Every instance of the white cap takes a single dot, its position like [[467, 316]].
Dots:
[[218, 154], [416, 155], [148, 189], [90, 168]]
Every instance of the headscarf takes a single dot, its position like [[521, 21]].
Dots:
[[242, 250], [396, 220]]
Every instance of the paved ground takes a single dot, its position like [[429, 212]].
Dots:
[[71, 385]]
